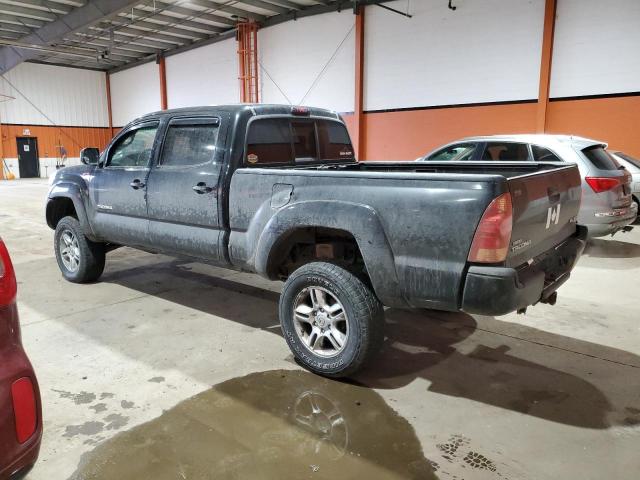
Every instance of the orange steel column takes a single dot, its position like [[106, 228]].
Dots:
[[163, 83], [247, 36], [359, 125], [255, 63], [109, 104], [545, 64], [241, 61]]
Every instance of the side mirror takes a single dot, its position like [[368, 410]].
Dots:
[[89, 155]]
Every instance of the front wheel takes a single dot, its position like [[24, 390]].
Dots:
[[80, 260], [332, 321]]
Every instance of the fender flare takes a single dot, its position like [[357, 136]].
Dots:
[[78, 196], [361, 221]]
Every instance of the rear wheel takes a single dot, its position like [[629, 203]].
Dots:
[[80, 260], [331, 320]]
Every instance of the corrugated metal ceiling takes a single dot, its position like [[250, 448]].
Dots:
[[145, 29]]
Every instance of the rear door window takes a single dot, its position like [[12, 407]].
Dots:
[[457, 152], [506, 152], [541, 154], [189, 142], [600, 158], [282, 141]]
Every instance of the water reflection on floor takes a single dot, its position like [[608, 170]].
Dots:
[[270, 425]]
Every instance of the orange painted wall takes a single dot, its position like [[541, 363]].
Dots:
[[349, 120], [614, 120], [406, 135], [72, 138]]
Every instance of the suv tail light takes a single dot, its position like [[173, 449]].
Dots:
[[8, 285], [493, 235], [602, 184], [24, 408]]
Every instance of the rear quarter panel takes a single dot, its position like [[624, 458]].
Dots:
[[414, 230]]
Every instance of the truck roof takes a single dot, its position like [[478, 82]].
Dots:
[[250, 109]]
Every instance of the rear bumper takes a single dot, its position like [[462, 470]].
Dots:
[[610, 225], [501, 290], [23, 465]]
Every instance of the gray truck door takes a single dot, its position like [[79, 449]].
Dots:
[[182, 189], [120, 193]]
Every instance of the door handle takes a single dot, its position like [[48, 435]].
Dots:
[[201, 188], [136, 184], [553, 194]]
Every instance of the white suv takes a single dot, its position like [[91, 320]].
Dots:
[[607, 203]]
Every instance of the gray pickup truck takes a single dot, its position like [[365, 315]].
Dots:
[[276, 190]]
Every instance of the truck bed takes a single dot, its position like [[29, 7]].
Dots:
[[422, 217]]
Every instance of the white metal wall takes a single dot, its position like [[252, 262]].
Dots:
[[596, 48], [484, 51], [295, 53], [204, 76], [67, 96], [134, 92]]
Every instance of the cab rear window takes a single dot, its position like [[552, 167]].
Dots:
[[282, 141], [600, 158]]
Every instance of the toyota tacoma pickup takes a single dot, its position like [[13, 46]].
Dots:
[[276, 190]]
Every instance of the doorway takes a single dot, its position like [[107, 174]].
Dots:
[[28, 162]]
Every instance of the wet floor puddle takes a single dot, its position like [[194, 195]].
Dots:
[[272, 425]]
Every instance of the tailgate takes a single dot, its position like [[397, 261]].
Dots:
[[545, 210]]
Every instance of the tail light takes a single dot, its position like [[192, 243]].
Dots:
[[602, 184], [8, 285], [24, 408], [493, 235]]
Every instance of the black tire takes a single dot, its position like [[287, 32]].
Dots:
[[91, 255], [364, 312]]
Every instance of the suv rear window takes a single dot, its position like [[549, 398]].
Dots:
[[600, 158], [281, 141]]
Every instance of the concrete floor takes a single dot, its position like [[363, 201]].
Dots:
[[170, 369]]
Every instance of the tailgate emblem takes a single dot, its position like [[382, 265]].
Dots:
[[553, 216]]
